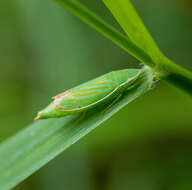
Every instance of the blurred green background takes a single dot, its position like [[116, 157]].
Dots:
[[45, 50]]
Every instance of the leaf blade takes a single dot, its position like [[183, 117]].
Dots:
[[105, 29], [127, 16], [33, 147]]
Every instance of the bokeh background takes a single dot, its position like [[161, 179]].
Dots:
[[45, 50]]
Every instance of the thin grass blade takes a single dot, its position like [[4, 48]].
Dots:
[[39, 143], [128, 18]]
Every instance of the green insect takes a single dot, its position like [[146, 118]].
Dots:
[[102, 90]]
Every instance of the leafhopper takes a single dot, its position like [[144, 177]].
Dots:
[[102, 90]]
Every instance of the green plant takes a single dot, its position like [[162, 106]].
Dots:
[[40, 142]]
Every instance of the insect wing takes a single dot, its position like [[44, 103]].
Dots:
[[87, 94]]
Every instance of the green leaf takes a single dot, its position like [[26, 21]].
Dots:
[[126, 15], [34, 146], [108, 31], [139, 42]]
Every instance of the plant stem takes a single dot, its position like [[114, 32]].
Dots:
[[175, 75], [108, 31]]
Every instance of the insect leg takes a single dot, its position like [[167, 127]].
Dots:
[[80, 118], [111, 104]]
